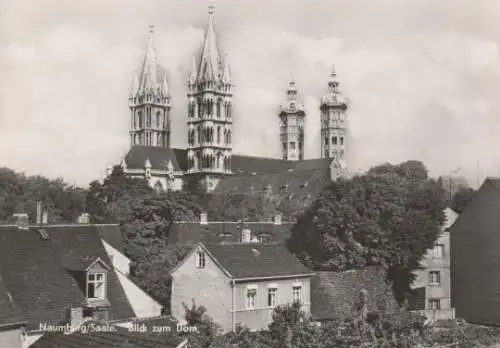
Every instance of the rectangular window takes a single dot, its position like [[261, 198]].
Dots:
[[292, 145], [326, 140], [341, 140], [297, 293], [200, 259], [251, 298], [96, 285], [438, 251], [434, 304], [434, 278], [271, 297], [334, 140], [284, 146]]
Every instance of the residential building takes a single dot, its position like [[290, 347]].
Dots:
[[62, 273], [475, 245], [432, 284], [240, 283], [336, 295], [209, 156], [12, 322]]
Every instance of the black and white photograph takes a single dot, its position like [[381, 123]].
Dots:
[[254, 174]]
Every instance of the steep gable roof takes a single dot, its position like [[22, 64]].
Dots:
[[9, 313], [334, 294], [252, 260], [113, 235], [39, 272]]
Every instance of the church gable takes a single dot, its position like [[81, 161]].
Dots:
[[158, 157]]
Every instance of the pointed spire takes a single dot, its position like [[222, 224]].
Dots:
[[332, 80], [135, 86], [192, 76], [226, 76], [164, 84], [210, 57], [148, 76]]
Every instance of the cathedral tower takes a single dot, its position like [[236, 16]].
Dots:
[[209, 116], [291, 117], [333, 122], [149, 102]]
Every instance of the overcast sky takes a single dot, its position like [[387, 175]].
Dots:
[[422, 77]]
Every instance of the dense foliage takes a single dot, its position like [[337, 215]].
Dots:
[[461, 199], [389, 217], [19, 194]]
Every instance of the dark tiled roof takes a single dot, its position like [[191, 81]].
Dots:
[[334, 294], [9, 313], [112, 234], [258, 165], [158, 156], [253, 260], [34, 271], [214, 232], [295, 189], [240, 164], [120, 338]]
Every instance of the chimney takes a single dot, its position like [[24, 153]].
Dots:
[[83, 219], [203, 219], [246, 235], [277, 219], [22, 221], [45, 218], [38, 212]]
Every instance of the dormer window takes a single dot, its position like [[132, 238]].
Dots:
[[96, 285], [200, 259]]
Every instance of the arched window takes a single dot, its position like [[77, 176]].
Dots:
[[159, 140], [191, 110], [158, 187], [218, 135], [158, 120], [139, 119], [219, 107], [229, 137], [199, 135], [219, 160], [200, 107], [228, 110]]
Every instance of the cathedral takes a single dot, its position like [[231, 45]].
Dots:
[[209, 158]]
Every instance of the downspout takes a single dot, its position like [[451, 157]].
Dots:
[[232, 305]]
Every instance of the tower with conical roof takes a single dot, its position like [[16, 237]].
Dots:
[[209, 118], [333, 122], [150, 102], [291, 119]]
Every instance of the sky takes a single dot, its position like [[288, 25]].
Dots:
[[422, 77]]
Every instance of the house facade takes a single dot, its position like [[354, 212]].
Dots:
[[475, 257], [240, 283], [433, 281]]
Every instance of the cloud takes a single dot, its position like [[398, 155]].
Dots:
[[422, 79]]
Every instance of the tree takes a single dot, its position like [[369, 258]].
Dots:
[[151, 270], [207, 329], [388, 217], [19, 194], [461, 199]]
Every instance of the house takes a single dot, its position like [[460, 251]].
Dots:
[[207, 231], [63, 274], [149, 333], [475, 257], [12, 322], [432, 284], [334, 295], [240, 283]]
